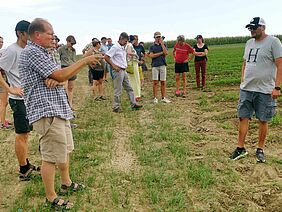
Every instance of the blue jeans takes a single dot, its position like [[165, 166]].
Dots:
[[262, 104]]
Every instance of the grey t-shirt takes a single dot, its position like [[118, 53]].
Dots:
[[9, 63], [260, 70]]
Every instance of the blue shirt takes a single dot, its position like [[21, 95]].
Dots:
[[158, 61], [35, 66], [109, 46]]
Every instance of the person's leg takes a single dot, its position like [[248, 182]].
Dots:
[[243, 130], [127, 86], [163, 81], [155, 78], [263, 129], [203, 67], [71, 84], [48, 178], [163, 89], [90, 77], [197, 73], [21, 146], [65, 172], [118, 79], [155, 88], [96, 88], [3, 105], [101, 87], [184, 82], [177, 79]]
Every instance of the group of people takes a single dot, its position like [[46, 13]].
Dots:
[[39, 75]]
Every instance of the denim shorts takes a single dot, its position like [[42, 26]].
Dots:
[[263, 105]]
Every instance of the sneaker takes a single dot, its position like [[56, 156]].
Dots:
[[98, 98], [260, 156], [178, 93], [103, 98], [117, 110], [237, 154], [165, 100], [155, 101], [73, 126], [138, 99], [136, 107], [6, 126]]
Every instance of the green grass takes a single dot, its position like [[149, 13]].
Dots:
[[166, 157]]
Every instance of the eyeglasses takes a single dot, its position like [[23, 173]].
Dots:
[[253, 28]]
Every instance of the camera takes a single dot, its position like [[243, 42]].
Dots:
[[163, 37]]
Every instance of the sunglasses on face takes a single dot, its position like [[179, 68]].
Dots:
[[253, 28]]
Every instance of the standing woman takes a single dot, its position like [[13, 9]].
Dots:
[[181, 53], [3, 96], [132, 68], [201, 50], [68, 57]]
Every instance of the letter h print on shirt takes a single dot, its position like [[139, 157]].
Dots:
[[253, 54]]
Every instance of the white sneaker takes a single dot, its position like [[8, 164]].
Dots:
[[165, 100], [155, 100]]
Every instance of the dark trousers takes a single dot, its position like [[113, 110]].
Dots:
[[200, 66]]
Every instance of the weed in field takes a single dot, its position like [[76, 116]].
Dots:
[[199, 174]]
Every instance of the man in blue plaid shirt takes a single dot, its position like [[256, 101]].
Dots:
[[47, 107]]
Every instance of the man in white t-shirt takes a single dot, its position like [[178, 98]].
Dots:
[[260, 85], [9, 63], [116, 57]]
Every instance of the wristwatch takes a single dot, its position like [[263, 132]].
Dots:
[[277, 88]]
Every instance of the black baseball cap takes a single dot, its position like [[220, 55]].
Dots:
[[22, 26], [255, 22]]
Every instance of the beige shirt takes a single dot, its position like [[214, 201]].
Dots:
[[67, 56]]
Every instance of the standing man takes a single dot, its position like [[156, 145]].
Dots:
[[116, 57], [9, 63], [158, 52], [84, 51], [110, 43], [260, 85], [181, 53], [48, 109], [104, 49], [68, 57]]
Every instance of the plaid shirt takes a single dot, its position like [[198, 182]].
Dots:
[[35, 66]]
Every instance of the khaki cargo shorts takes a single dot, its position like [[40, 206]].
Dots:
[[55, 141]]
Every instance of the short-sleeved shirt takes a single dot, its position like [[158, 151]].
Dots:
[[182, 52], [109, 46], [140, 50], [98, 67], [88, 46], [129, 48], [118, 55], [35, 66], [104, 48], [2, 51], [260, 69], [67, 56], [9, 63], [158, 61], [197, 49]]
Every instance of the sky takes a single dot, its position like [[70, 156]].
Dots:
[[86, 19]]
